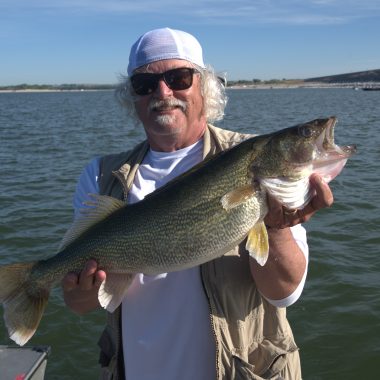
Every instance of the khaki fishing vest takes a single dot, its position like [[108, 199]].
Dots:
[[253, 338]]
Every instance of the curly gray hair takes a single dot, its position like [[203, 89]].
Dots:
[[212, 87]]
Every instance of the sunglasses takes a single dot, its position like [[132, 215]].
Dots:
[[176, 79]]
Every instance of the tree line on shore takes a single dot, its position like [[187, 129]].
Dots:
[[58, 87], [86, 87], [362, 76]]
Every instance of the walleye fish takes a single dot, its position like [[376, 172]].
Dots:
[[195, 218]]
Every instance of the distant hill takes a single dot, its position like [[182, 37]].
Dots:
[[357, 77]]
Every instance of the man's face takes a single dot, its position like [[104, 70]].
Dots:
[[173, 119]]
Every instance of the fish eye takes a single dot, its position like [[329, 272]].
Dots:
[[305, 131]]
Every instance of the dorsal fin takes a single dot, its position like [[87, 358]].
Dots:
[[98, 208]]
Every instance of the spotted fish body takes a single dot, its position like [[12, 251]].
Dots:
[[195, 218]]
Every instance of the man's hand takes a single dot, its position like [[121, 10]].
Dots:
[[80, 292], [280, 217], [286, 264]]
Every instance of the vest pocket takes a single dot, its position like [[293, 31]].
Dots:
[[241, 370], [268, 362]]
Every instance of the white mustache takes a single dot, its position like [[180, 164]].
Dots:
[[157, 104]]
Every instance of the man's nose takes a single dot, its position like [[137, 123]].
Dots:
[[162, 89]]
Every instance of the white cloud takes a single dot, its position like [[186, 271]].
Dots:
[[313, 12]]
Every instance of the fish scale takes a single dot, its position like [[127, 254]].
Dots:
[[197, 217]]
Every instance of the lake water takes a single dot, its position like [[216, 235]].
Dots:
[[47, 138]]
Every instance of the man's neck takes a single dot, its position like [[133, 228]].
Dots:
[[171, 143]]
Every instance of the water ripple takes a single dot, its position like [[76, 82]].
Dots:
[[47, 138]]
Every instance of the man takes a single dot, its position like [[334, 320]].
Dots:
[[225, 319]]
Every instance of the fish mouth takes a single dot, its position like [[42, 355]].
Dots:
[[331, 157], [326, 143]]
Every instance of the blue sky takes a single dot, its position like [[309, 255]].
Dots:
[[88, 41]]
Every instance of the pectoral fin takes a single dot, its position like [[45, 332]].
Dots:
[[237, 196], [113, 290], [257, 243]]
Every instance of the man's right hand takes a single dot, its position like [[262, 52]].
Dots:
[[80, 292]]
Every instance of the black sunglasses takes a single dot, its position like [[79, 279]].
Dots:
[[176, 79]]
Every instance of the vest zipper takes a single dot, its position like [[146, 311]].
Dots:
[[211, 315], [123, 183]]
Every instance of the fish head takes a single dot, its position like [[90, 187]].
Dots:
[[302, 150], [288, 158]]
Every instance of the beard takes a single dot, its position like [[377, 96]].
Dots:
[[166, 120]]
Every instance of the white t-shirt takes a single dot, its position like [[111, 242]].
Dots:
[[166, 325]]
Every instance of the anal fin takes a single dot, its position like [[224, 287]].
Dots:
[[113, 290]]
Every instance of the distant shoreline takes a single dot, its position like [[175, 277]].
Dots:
[[258, 86], [356, 80], [32, 90]]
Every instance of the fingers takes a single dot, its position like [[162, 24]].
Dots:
[[70, 282], [324, 196], [281, 217], [275, 216], [80, 292], [100, 276], [88, 278]]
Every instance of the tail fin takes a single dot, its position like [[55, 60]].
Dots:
[[23, 304]]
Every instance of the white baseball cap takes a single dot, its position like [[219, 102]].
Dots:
[[165, 43]]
